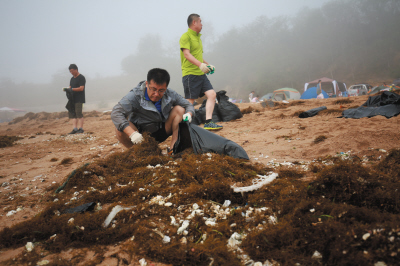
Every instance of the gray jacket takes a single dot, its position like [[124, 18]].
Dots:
[[139, 111]]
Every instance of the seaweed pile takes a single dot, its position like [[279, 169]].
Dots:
[[8, 141], [182, 210]]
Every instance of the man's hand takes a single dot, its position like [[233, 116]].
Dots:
[[187, 117], [67, 89], [203, 67], [211, 68], [136, 137]]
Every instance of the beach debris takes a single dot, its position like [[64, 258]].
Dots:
[[113, 213], [143, 262], [227, 203], [11, 213], [366, 236], [257, 183], [183, 227], [29, 246], [316, 255], [234, 241], [43, 262], [82, 208]]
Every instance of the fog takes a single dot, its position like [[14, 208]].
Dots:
[[258, 45]]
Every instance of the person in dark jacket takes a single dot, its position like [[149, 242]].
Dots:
[[151, 107], [76, 97]]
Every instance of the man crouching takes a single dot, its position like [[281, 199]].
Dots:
[[151, 107]]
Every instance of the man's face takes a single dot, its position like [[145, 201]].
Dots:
[[197, 25], [155, 91], [74, 72]]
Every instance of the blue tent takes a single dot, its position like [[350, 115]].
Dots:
[[311, 93]]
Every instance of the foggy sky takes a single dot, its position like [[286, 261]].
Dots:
[[42, 37]]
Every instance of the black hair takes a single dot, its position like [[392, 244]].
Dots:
[[159, 76], [72, 66], [191, 18]]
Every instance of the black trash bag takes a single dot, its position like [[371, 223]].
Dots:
[[385, 98], [228, 111], [82, 208], [200, 114], [387, 104], [203, 141], [312, 112]]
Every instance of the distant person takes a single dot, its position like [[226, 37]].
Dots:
[[195, 68], [76, 90], [251, 96], [151, 107], [255, 99]]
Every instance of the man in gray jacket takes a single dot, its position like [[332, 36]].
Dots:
[[151, 107]]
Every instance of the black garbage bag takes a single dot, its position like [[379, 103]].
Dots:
[[200, 114], [228, 111], [82, 208], [203, 141], [312, 112], [387, 104], [385, 98]]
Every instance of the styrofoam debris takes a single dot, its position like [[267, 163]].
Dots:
[[316, 255], [184, 225], [234, 241], [166, 239], [11, 213], [29, 246], [226, 203], [257, 183], [142, 262], [113, 213]]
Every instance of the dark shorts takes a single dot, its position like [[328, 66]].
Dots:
[[195, 86], [156, 130], [77, 112]]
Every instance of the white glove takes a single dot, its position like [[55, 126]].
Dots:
[[203, 67], [136, 137], [187, 118], [211, 67]]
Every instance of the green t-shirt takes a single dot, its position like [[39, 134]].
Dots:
[[191, 40]]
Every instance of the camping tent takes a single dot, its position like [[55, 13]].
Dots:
[[7, 113], [332, 87], [267, 96], [286, 94], [313, 93]]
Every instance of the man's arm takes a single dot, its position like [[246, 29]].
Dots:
[[78, 89], [190, 57]]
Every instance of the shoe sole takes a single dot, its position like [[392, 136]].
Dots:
[[212, 128]]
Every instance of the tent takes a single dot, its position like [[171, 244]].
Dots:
[[332, 87], [313, 93], [267, 96], [286, 94], [7, 113]]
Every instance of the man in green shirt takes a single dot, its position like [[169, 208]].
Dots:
[[195, 68]]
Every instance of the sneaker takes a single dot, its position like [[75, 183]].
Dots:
[[74, 131], [212, 126], [80, 131], [170, 152]]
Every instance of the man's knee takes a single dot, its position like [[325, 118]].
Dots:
[[179, 110], [211, 95]]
